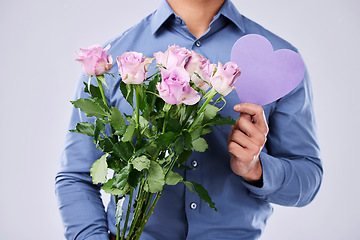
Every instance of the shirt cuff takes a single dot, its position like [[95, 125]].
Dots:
[[273, 175], [103, 236]]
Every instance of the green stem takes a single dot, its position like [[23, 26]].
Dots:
[[149, 209], [102, 93], [101, 88], [127, 214], [152, 75], [208, 96], [137, 113], [147, 212], [118, 226], [166, 117], [171, 166], [139, 217], [144, 221], [140, 200]]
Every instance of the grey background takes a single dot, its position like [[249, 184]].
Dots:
[[38, 76]]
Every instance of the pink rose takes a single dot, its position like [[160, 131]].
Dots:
[[195, 63], [95, 60], [208, 71], [133, 67], [175, 88], [174, 56], [224, 78], [200, 65]]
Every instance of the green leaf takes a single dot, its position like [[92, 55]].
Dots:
[[155, 179], [179, 145], [184, 156], [152, 150], [129, 134], [143, 123], [195, 134], [99, 169], [124, 150], [167, 107], [90, 108], [130, 119], [100, 125], [94, 91], [143, 149], [173, 125], [164, 140], [219, 120], [173, 178], [204, 195], [165, 159], [107, 144], [101, 78], [121, 131], [206, 130], [184, 167], [198, 121], [141, 163], [134, 178], [188, 114], [117, 119], [121, 178], [200, 145], [140, 143], [115, 164], [86, 128], [151, 98], [143, 104], [159, 104], [107, 187], [188, 140], [210, 112], [119, 211], [127, 92], [189, 186]]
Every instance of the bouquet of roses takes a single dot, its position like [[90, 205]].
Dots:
[[172, 110]]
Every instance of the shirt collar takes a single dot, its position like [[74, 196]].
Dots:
[[228, 10], [160, 16]]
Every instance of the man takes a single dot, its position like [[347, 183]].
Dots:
[[270, 156]]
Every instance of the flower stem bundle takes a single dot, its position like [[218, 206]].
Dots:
[[173, 109]]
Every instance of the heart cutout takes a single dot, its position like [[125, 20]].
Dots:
[[266, 75]]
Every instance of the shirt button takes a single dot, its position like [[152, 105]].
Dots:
[[194, 163], [178, 20], [193, 206], [198, 43]]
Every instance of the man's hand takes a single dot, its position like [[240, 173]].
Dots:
[[246, 140]]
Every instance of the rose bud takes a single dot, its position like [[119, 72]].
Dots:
[[133, 67], [95, 60]]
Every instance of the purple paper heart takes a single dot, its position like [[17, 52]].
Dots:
[[266, 75]]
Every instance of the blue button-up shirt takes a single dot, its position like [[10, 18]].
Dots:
[[292, 169]]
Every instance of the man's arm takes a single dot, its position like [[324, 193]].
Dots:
[[79, 200], [288, 171]]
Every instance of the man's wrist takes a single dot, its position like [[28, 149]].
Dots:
[[254, 176]]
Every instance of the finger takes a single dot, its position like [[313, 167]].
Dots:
[[242, 155], [241, 139], [236, 150], [254, 145], [245, 125], [256, 112], [256, 136]]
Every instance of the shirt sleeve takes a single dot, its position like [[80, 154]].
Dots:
[[79, 200], [292, 169]]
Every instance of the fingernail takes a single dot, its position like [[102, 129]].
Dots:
[[237, 107]]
